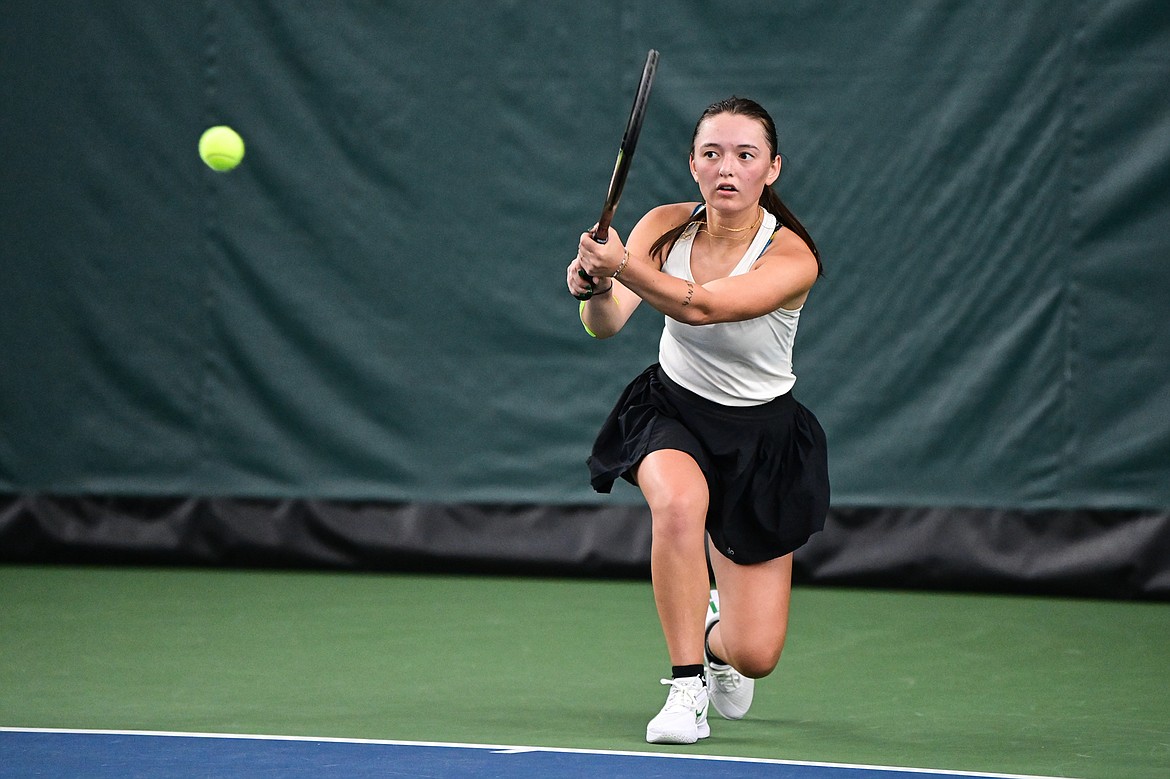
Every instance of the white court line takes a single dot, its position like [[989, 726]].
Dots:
[[514, 749]]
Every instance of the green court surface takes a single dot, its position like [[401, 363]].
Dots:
[[964, 682]]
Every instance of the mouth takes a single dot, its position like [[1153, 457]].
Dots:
[[726, 188]]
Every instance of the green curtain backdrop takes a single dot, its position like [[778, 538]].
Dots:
[[373, 307]]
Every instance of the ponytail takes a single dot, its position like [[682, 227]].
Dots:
[[784, 216]]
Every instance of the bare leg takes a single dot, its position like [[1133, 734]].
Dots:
[[676, 491], [753, 613]]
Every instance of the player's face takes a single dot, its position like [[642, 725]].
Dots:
[[731, 161]]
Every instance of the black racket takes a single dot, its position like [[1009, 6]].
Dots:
[[621, 169]]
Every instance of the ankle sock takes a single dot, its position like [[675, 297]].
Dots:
[[683, 671]]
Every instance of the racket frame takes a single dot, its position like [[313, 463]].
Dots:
[[625, 157]]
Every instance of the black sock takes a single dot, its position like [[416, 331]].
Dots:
[[683, 671], [711, 656]]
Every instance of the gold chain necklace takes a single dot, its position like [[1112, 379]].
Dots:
[[754, 226]]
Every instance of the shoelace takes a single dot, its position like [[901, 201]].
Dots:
[[727, 678], [681, 697]]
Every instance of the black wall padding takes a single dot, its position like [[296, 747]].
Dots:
[[1091, 553], [1084, 553], [327, 534]]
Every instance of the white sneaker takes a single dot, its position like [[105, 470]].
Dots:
[[683, 720], [731, 693]]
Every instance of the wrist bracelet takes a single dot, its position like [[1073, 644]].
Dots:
[[622, 266]]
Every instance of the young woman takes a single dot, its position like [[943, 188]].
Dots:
[[734, 470]]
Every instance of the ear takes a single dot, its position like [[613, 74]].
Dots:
[[694, 173], [774, 170]]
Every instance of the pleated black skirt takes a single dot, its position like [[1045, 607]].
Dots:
[[766, 465]]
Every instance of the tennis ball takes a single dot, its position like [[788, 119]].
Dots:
[[221, 148]]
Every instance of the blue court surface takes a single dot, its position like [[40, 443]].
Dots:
[[32, 752]]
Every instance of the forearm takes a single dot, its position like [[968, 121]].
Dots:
[[679, 299], [602, 314]]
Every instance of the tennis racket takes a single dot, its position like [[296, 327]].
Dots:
[[621, 169]]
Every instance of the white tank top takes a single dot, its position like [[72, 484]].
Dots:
[[734, 363]]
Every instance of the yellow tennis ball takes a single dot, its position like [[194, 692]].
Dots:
[[221, 148]]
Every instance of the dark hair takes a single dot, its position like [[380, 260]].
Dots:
[[768, 198]]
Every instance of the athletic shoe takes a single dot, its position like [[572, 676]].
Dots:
[[731, 693], [683, 720]]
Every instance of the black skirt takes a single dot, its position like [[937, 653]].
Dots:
[[766, 465]]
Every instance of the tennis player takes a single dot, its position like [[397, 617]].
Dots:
[[733, 468]]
